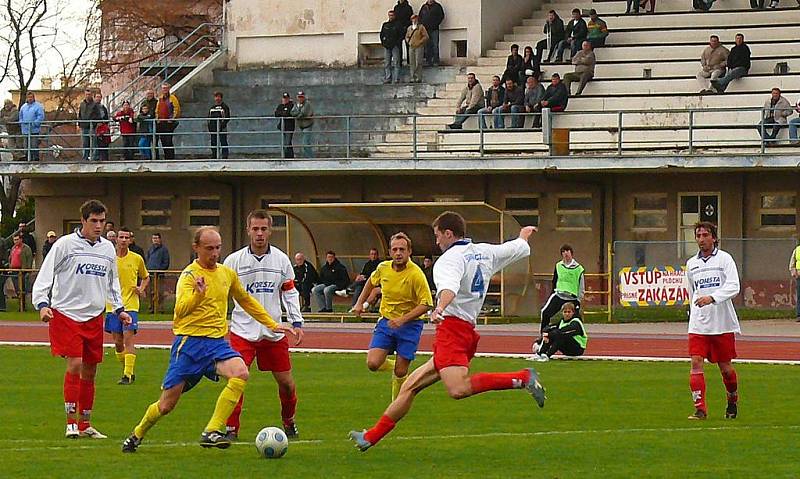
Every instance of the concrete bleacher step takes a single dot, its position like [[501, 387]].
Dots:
[[713, 19], [700, 119]]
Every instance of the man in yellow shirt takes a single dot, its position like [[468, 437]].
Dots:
[[131, 271], [200, 349], [405, 296]]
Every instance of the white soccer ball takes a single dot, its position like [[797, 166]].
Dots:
[[272, 443]]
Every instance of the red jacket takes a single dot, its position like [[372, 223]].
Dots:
[[126, 119]]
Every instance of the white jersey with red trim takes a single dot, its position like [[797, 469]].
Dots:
[[270, 279], [714, 276], [466, 269]]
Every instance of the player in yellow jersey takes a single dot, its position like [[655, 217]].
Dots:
[[200, 349], [131, 271], [405, 296]]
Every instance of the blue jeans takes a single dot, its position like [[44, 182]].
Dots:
[[464, 115], [432, 48], [144, 147], [307, 140], [794, 124], [323, 293], [391, 64], [89, 142], [732, 74], [500, 117]]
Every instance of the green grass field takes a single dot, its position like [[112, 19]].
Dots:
[[602, 419]]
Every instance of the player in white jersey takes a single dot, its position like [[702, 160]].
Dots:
[[267, 274], [76, 279], [713, 283], [462, 276]]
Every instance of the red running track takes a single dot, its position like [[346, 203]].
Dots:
[[494, 341]]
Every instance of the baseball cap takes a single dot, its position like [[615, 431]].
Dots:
[[301, 93], [51, 233], [286, 95]]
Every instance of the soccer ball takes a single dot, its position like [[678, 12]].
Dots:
[[271, 442]]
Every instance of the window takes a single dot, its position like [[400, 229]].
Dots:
[[778, 210], [574, 212], [156, 212], [525, 209], [650, 212], [204, 211]]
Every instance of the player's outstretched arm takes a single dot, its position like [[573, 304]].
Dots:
[[526, 232]]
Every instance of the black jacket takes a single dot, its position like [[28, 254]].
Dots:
[[219, 115], [556, 30], [556, 95], [392, 34], [431, 15], [514, 65], [515, 96], [46, 248], [88, 112], [305, 276], [285, 112], [487, 96], [577, 30], [335, 273], [739, 56], [369, 267], [403, 12]]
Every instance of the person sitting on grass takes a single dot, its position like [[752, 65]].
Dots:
[[569, 336]]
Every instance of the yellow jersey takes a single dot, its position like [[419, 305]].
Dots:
[[401, 291], [131, 270], [206, 315]]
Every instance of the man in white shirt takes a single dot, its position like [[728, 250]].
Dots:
[[77, 278], [462, 275], [713, 283], [267, 274]]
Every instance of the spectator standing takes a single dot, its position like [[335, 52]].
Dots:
[[392, 35], [530, 66], [714, 60], [19, 257], [132, 246], [469, 102], [534, 92], [305, 275], [584, 62], [514, 65], [218, 117], [126, 118], [283, 112], [416, 39], [150, 100], [145, 123], [493, 98], [793, 126], [575, 33], [596, 30], [632, 6], [304, 116], [555, 98], [88, 115], [112, 236], [27, 238], [431, 14], [652, 6], [168, 110], [554, 30], [332, 277], [108, 228], [758, 4], [31, 116], [9, 118], [157, 260], [738, 65], [427, 269], [48, 243], [403, 11], [513, 103], [102, 130], [777, 109], [794, 271]]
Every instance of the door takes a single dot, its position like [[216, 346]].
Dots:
[[694, 207]]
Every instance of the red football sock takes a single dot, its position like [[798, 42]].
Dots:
[[731, 385], [72, 391], [288, 407], [233, 420], [85, 403], [383, 427], [697, 384], [483, 382]]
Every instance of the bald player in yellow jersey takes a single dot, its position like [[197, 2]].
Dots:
[[200, 349], [405, 296]]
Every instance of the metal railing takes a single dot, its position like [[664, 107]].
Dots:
[[610, 133]]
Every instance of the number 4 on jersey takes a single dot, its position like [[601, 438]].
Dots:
[[477, 283]]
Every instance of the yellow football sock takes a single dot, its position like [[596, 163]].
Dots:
[[120, 356], [397, 383], [387, 365], [226, 403], [151, 417], [130, 360]]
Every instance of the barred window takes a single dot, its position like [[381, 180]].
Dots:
[[650, 211], [574, 212], [524, 209], [204, 211], [155, 212], [778, 210]]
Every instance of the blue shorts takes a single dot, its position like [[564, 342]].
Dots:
[[193, 357], [404, 339], [114, 325]]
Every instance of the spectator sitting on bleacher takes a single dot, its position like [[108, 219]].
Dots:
[[738, 64], [530, 67], [597, 30], [714, 61], [358, 284], [584, 63], [514, 65], [776, 110], [575, 32], [514, 103], [534, 92], [333, 276], [469, 102], [793, 126], [305, 275], [493, 98], [555, 98], [554, 28]]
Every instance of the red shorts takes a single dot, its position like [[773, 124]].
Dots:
[[717, 348], [270, 355], [75, 339], [455, 343]]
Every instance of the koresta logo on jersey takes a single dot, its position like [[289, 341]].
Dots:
[[710, 282], [91, 269], [474, 257], [261, 287]]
